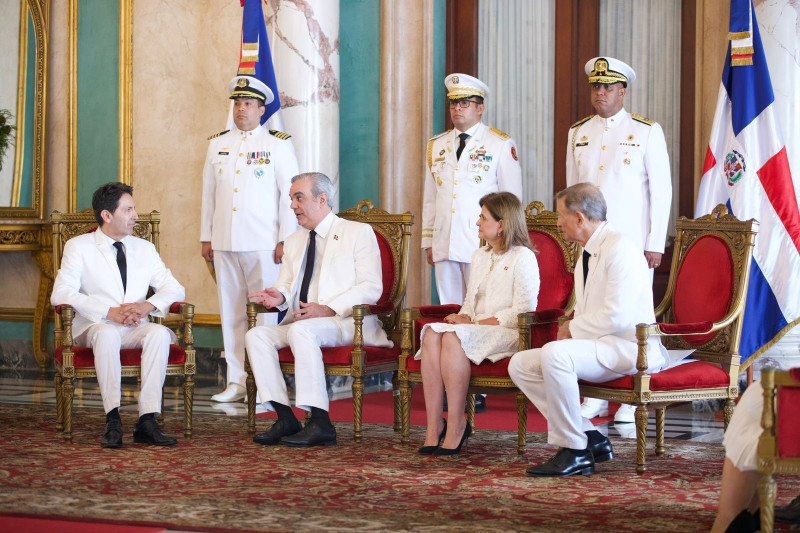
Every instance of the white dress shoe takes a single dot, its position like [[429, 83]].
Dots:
[[232, 393], [592, 407], [625, 414]]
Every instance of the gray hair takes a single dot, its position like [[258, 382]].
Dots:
[[320, 184], [584, 198]]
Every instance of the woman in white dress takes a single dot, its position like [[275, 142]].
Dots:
[[503, 282]]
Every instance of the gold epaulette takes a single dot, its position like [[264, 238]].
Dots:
[[218, 134], [439, 135], [280, 134], [430, 146], [581, 121], [503, 135], [643, 120]]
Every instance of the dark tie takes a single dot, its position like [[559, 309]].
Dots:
[[586, 256], [122, 264], [309, 271], [461, 144]]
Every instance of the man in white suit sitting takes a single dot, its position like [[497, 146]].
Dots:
[[105, 276], [329, 265], [613, 293]]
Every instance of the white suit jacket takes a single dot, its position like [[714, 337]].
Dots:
[[452, 188], [616, 297], [626, 157], [246, 180], [89, 279], [350, 274]]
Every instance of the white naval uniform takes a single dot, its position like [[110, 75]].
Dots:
[[452, 190], [626, 156], [245, 214]]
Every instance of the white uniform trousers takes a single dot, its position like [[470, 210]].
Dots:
[[239, 274], [305, 338], [106, 341], [744, 429], [549, 378], [451, 281]]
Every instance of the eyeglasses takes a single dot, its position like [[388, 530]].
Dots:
[[462, 104]]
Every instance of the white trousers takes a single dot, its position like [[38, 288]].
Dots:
[[305, 338], [451, 281], [744, 429], [239, 274], [106, 341], [549, 378]]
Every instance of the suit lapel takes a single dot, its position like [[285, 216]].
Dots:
[[110, 258]]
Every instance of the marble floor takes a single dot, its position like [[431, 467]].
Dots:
[[682, 421]]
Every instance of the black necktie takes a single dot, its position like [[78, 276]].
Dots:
[[309, 271], [122, 264], [586, 256], [461, 144]]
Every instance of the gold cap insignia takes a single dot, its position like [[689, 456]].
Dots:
[[454, 79], [242, 82]]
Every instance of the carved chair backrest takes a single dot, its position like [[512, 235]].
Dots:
[[555, 256]]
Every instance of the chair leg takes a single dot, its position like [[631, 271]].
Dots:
[[396, 399], [728, 411], [250, 385], [766, 493], [188, 403], [405, 408], [358, 403], [641, 437], [59, 404], [661, 416], [522, 422], [160, 417], [471, 410], [68, 390]]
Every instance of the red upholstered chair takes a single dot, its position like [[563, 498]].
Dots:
[[393, 232], [78, 361], [779, 445], [702, 310], [556, 260]]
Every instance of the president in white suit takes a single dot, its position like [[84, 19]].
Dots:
[[613, 293], [329, 265], [105, 276]]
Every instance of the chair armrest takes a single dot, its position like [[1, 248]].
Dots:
[[66, 313], [538, 328], [381, 309], [689, 328], [437, 311]]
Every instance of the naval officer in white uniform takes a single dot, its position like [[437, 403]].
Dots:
[[625, 156], [463, 165], [245, 216]]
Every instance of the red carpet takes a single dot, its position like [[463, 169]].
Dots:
[[19, 524]]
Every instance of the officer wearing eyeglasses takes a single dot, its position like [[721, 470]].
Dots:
[[463, 165]]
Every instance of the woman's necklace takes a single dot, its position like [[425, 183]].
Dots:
[[493, 258]]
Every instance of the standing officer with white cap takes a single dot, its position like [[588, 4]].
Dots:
[[463, 165], [245, 216], [625, 156]]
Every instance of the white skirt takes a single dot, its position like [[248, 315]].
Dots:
[[479, 342], [744, 429]]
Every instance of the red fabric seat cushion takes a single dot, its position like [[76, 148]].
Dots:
[[341, 355], [704, 285], [788, 425], [555, 280], [694, 375], [84, 356]]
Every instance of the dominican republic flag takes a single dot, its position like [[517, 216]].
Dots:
[[255, 59], [746, 167]]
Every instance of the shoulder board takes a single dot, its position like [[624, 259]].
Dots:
[[441, 134], [503, 135], [430, 152], [643, 120], [581, 121], [218, 134], [280, 134]]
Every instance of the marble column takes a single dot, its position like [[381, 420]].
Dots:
[[304, 37], [406, 122]]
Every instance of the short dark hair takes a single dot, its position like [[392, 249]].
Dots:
[[106, 198]]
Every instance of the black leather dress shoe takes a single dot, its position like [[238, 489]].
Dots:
[[112, 438], [313, 434], [148, 432], [600, 446], [280, 429], [565, 463], [789, 513]]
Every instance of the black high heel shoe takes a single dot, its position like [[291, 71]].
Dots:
[[456, 450], [428, 450]]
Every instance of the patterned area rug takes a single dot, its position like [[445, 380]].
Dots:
[[220, 481]]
